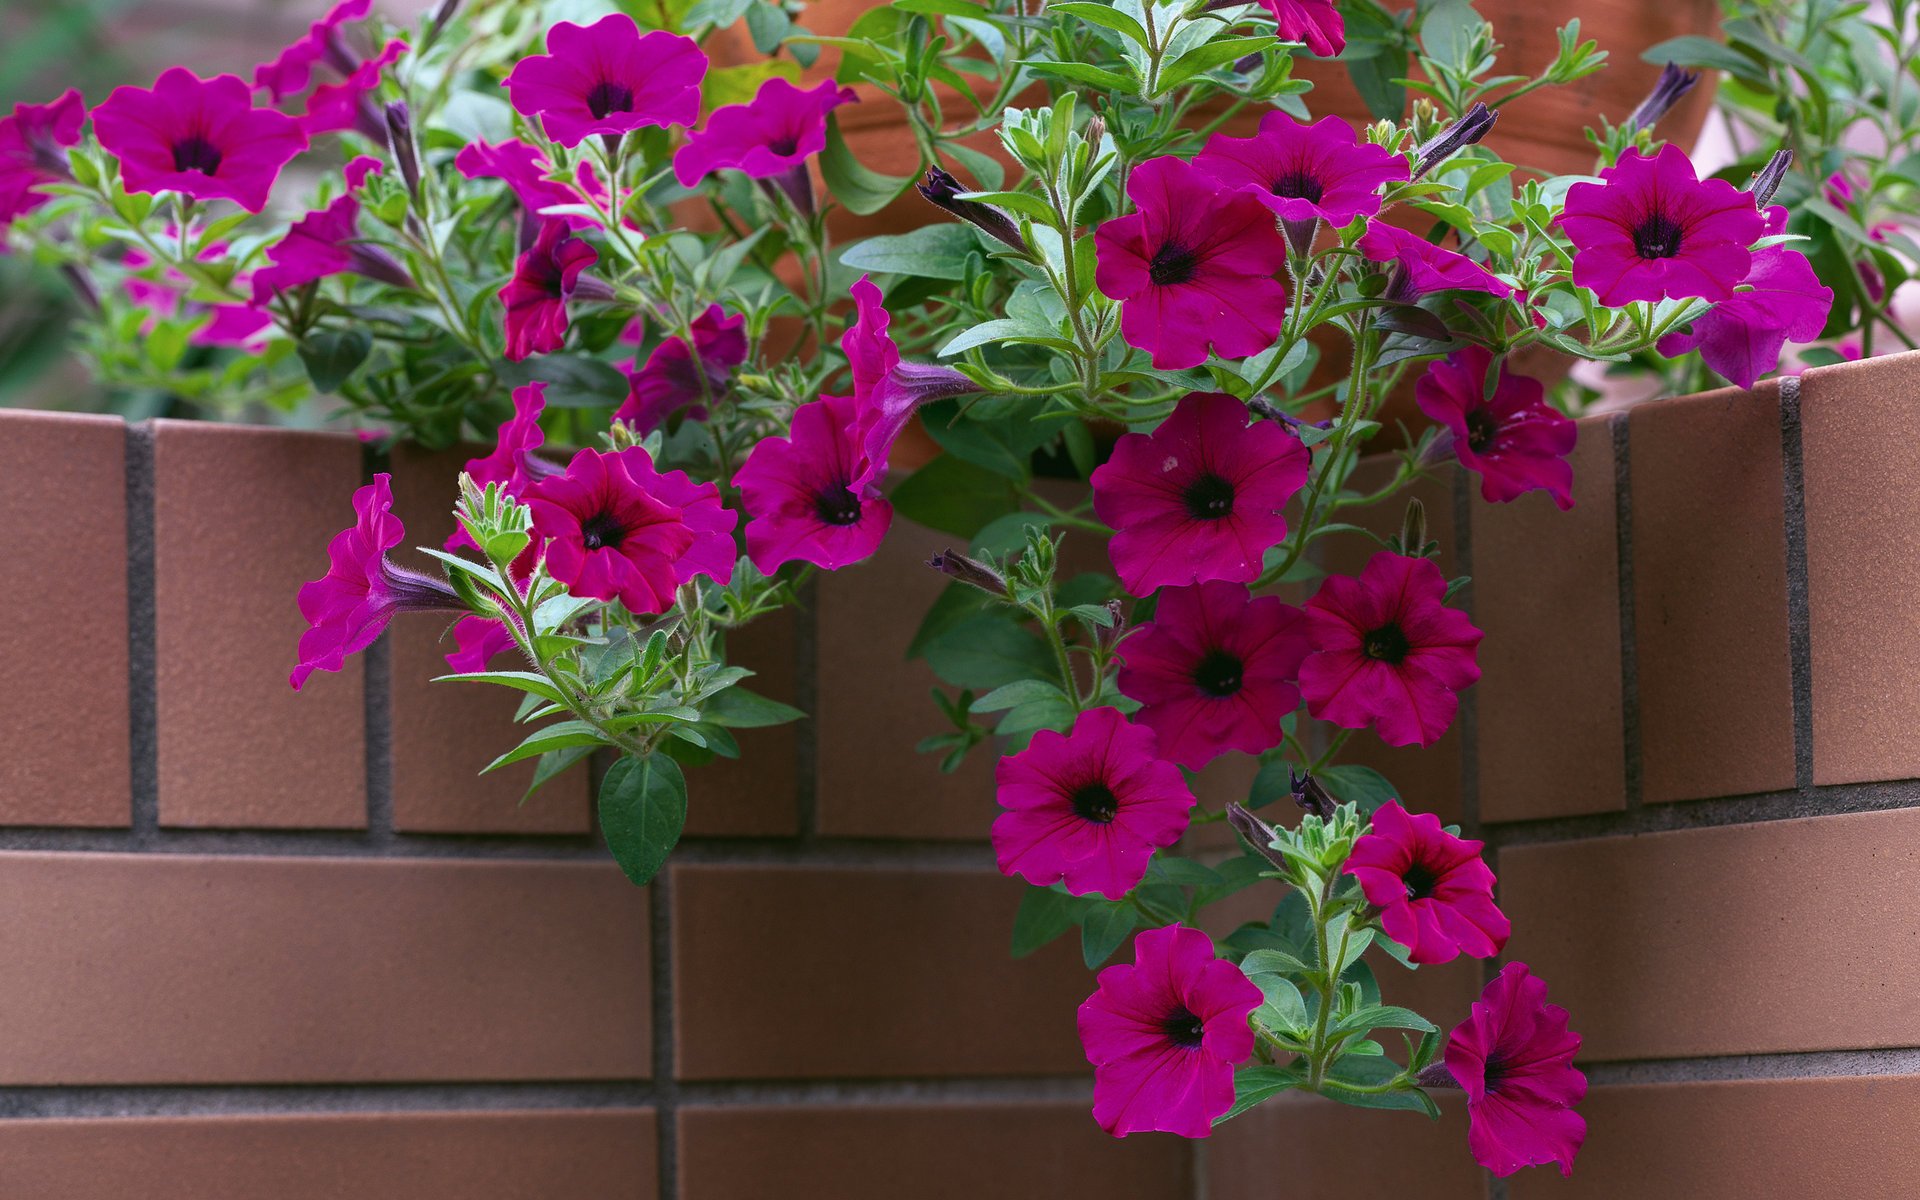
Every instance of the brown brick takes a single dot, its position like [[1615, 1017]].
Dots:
[[242, 517], [368, 1156], [445, 733], [1863, 568], [1309, 1146], [792, 972], [757, 794], [1710, 595], [928, 1151], [135, 969], [1743, 939], [1782, 1139], [63, 712], [1546, 589]]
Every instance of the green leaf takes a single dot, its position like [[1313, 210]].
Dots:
[[1273, 962], [1205, 58], [1044, 915], [331, 356], [987, 652], [1695, 51], [1020, 691], [1367, 1070], [552, 764], [930, 252], [1183, 872], [738, 708], [1274, 781], [1104, 928], [953, 496], [552, 737], [526, 681], [1355, 784], [856, 187], [1251, 1085], [1083, 73], [573, 380], [643, 808], [1384, 1016], [1101, 14], [1377, 79]]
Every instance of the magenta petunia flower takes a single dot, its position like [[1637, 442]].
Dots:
[[326, 242], [886, 391], [33, 139], [346, 105], [1193, 268], [1313, 23], [199, 137], [349, 606], [289, 74], [1651, 230], [1305, 173], [536, 297], [1434, 893], [528, 173], [607, 78], [1214, 670], [1515, 440], [512, 463], [607, 538], [1164, 1034], [359, 169], [1514, 1057], [477, 642], [797, 492], [1199, 498], [1780, 300], [235, 326], [1088, 807], [712, 552], [668, 382], [1388, 652], [769, 136], [1421, 267]]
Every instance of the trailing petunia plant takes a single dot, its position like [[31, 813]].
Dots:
[[606, 255]]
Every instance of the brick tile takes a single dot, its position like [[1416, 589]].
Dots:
[[1309, 1146], [135, 969], [242, 517], [444, 733], [1863, 568], [1743, 939], [1546, 589], [1782, 1139], [880, 973], [873, 704], [63, 713], [368, 1156], [928, 1151], [1710, 595], [757, 794]]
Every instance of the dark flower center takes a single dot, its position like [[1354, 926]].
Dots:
[[835, 505], [1171, 264], [1184, 1029], [1657, 236], [1095, 802], [1208, 498], [1219, 674], [609, 96], [1387, 644], [602, 531], [1420, 881], [784, 145], [1495, 1073], [195, 153], [1482, 428], [1298, 185]]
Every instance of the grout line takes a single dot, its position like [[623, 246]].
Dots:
[[806, 742], [1629, 628], [376, 676], [1799, 604], [665, 1065], [1202, 1182], [1702, 814], [1812, 1064], [1469, 712], [143, 738]]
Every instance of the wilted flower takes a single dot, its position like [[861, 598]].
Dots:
[[670, 380], [943, 191]]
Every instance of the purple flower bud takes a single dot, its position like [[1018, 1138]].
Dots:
[[969, 570], [441, 15], [1257, 833], [1674, 82], [399, 123], [796, 185], [1767, 182], [1451, 140], [941, 190], [1310, 795], [1112, 634], [1437, 1075]]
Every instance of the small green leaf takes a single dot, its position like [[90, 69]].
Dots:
[[552, 737], [331, 356], [930, 252], [643, 808], [526, 681], [1044, 915], [738, 708], [856, 187], [1251, 1085], [1104, 928]]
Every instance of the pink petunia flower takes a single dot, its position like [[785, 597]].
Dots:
[[346, 105], [1434, 893], [349, 606], [1652, 230], [292, 70], [606, 537], [536, 297], [1780, 300], [1088, 807], [1514, 1057], [235, 326], [1388, 652], [769, 137], [669, 383], [1421, 267], [1199, 498], [477, 642], [1515, 440], [607, 78], [1164, 1034], [1305, 173], [326, 242], [1193, 268], [512, 462], [33, 139], [199, 137], [528, 173], [359, 169], [712, 552], [886, 391], [797, 491], [1313, 23], [1214, 670]]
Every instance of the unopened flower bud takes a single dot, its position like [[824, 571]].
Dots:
[[441, 15], [1310, 795], [1117, 627], [1247, 64], [1257, 833], [1413, 528], [1767, 182], [1455, 137], [82, 284], [1674, 82], [1436, 1075], [399, 121], [1096, 130], [942, 191], [969, 570]]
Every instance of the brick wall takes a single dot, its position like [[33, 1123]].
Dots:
[[260, 944]]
